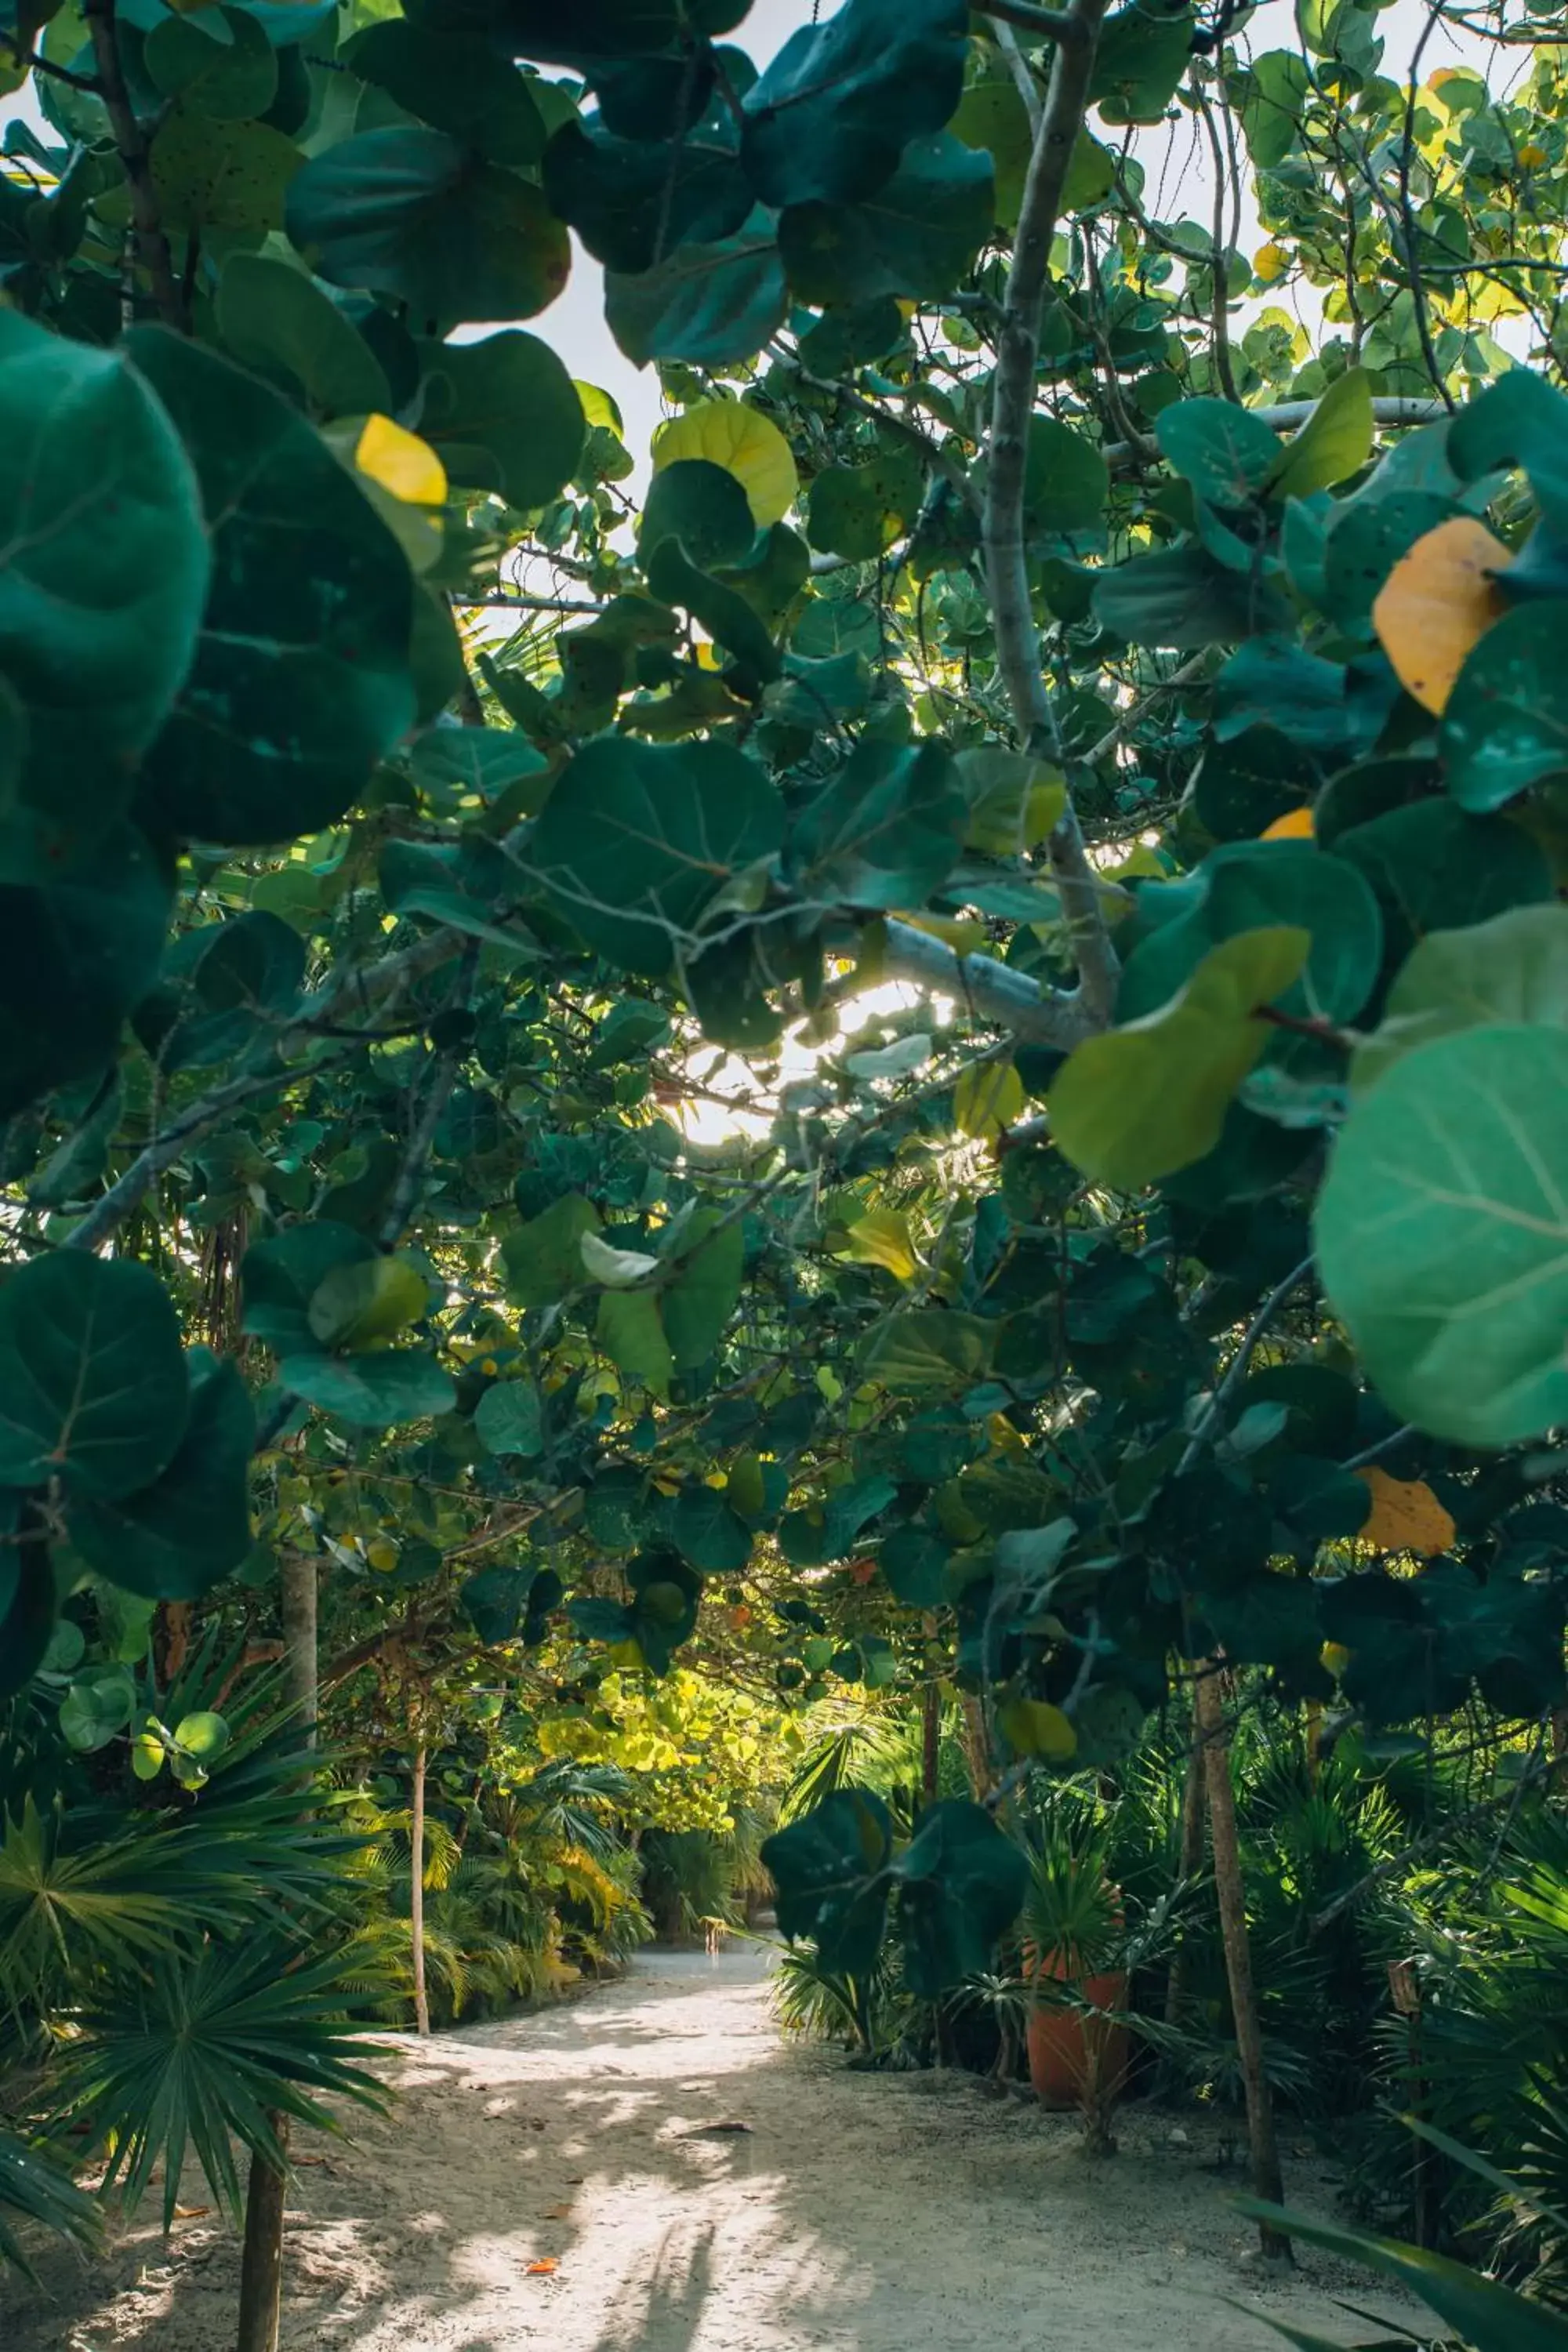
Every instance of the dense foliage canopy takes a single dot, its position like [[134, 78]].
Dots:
[[1149, 656]]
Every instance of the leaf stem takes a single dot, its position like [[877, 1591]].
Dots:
[[152, 239]]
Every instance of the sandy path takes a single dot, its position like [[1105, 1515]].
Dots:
[[859, 2213]]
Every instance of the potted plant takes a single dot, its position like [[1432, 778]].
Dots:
[[1074, 1939]]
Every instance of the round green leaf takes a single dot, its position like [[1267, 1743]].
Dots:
[[221, 65], [454, 80], [707, 304], [203, 1735], [410, 212], [301, 681], [1135, 1104], [93, 1387], [503, 414], [1247, 886], [101, 588], [174, 1539], [1225, 452], [508, 1417], [1506, 724], [828, 121], [638, 839], [1066, 480], [353, 1305], [279, 1279], [80, 944], [91, 1712], [917, 236], [221, 176], [372, 1391], [276, 320], [1442, 1234], [1513, 969]]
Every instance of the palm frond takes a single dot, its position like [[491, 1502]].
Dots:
[[36, 2188]]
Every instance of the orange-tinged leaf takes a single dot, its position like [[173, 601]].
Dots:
[[1405, 1515], [542, 2268], [1296, 824], [1437, 604]]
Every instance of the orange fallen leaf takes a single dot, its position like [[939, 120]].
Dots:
[[191, 2212], [1437, 606], [542, 2268], [558, 2212], [1405, 1515], [1296, 824]]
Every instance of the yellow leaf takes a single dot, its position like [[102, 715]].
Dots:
[[987, 1099], [966, 935], [1405, 1515], [1437, 604], [727, 433], [598, 408], [1334, 1658], [1270, 261], [881, 1237], [400, 462], [1532, 156], [1032, 1727], [1296, 824]]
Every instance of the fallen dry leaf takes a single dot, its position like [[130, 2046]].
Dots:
[[558, 2212], [542, 2268]]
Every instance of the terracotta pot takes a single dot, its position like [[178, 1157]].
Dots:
[[1070, 2052]]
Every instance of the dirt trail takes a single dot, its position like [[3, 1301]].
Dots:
[[857, 2214]]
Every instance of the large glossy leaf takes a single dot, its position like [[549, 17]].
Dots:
[[376, 1391], [93, 1384], [302, 679], [916, 236], [706, 304], [103, 570], [830, 1868], [1513, 969], [173, 1539], [1505, 724], [828, 122], [503, 414], [1139, 1101], [961, 1885], [412, 213], [887, 830], [637, 839], [454, 81], [275, 320], [1183, 597], [635, 201], [280, 1277], [1442, 1233], [1247, 886], [80, 940], [1225, 452], [221, 176]]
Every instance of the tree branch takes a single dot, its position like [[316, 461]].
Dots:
[[38, 64], [151, 243], [417, 1153], [992, 991], [1065, 25], [1001, 529]]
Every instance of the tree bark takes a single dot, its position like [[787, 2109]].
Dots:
[[267, 2188], [1267, 2180], [1189, 1863], [417, 1891], [296, 1575], [261, 2262], [930, 1744]]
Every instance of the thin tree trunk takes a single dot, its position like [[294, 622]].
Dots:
[[976, 1744], [416, 1891], [261, 2262], [266, 2189], [1267, 2180], [1189, 1863], [930, 1744], [297, 1576]]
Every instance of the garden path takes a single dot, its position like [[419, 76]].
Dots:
[[562, 2182]]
